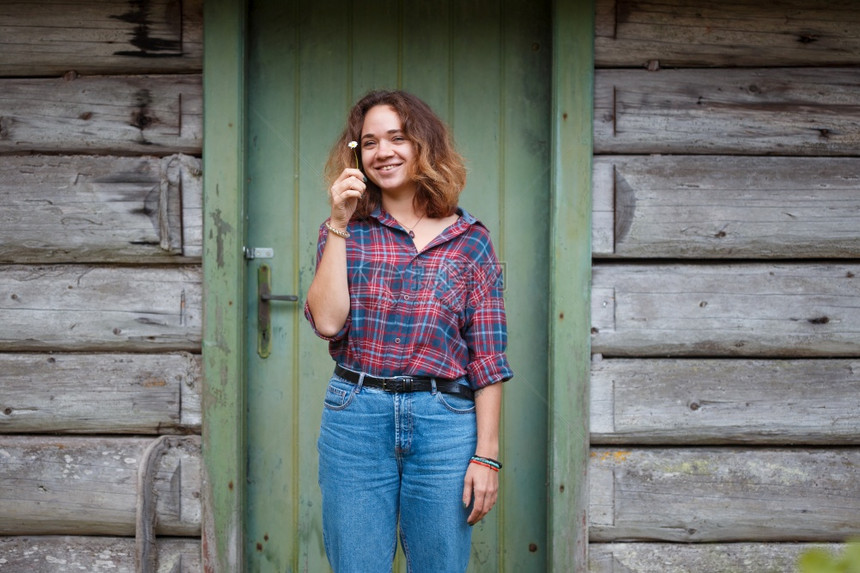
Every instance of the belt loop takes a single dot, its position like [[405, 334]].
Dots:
[[433, 386], [360, 383]]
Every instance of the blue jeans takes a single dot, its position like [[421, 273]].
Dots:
[[385, 456]]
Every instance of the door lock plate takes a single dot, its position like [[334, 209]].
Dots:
[[252, 253]]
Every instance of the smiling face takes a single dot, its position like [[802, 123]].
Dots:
[[387, 155]]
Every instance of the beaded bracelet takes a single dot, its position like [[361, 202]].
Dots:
[[338, 232], [486, 462]]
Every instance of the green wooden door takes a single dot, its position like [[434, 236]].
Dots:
[[484, 66]]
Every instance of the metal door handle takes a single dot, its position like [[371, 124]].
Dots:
[[264, 315], [287, 297]]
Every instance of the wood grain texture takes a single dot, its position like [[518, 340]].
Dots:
[[69, 554], [100, 393], [52, 37], [703, 557], [84, 208], [152, 115], [724, 494], [761, 310], [726, 207], [720, 401], [86, 486], [769, 111], [91, 308], [688, 33]]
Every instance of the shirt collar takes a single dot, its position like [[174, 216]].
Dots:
[[466, 219]]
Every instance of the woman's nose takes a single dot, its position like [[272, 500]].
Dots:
[[384, 149]]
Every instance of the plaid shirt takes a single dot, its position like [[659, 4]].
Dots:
[[435, 313]]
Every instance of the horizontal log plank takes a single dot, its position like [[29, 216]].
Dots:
[[88, 486], [152, 115], [773, 111], [99, 209], [756, 310], [724, 494], [719, 401], [686, 33], [52, 37], [92, 308], [100, 393], [67, 554], [700, 557], [726, 207]]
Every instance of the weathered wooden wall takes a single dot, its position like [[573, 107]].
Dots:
[[65, 208], [725, 293], [100, 285], [68, 554], [695, 33], [53, 37], [100, 393]]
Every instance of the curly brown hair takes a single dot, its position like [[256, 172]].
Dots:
[[439, 173]]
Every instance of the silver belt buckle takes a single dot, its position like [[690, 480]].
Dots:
[[400, 383]]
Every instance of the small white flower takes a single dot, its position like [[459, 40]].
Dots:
[[352, 145]]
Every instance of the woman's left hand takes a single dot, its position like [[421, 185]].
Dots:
[[481, 488]]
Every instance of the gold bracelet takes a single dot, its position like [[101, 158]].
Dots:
[[338, 232]]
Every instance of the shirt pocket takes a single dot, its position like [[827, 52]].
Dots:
[[451, 287]]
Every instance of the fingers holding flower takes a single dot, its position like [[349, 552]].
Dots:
[[345, 193]]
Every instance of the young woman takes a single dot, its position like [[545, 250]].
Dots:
[[408, 293]]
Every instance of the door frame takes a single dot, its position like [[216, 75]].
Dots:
[[224, 65]]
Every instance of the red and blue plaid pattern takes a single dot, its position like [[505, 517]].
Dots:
[[436, 313]]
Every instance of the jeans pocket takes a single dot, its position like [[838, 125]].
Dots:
[[339, 394], [456, 403]]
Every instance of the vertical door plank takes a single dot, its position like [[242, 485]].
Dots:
[[272, 539], [427, 45], [325, 97], [223, 343], [476, 76], [570, 274], [524, 252], [374, 64]]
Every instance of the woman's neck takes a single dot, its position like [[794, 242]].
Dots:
[[401, 207]]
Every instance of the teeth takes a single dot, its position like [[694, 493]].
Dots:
[[387, 168]]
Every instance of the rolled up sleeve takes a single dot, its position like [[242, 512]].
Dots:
[[340, 335], [486, 332]]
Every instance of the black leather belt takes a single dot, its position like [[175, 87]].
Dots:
[[407, 383]]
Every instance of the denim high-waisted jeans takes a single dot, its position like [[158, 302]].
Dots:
[[385, 456]]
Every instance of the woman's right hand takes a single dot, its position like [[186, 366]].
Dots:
[[345, 192]]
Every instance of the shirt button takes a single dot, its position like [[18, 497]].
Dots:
[[397, 340], [405, 297]]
